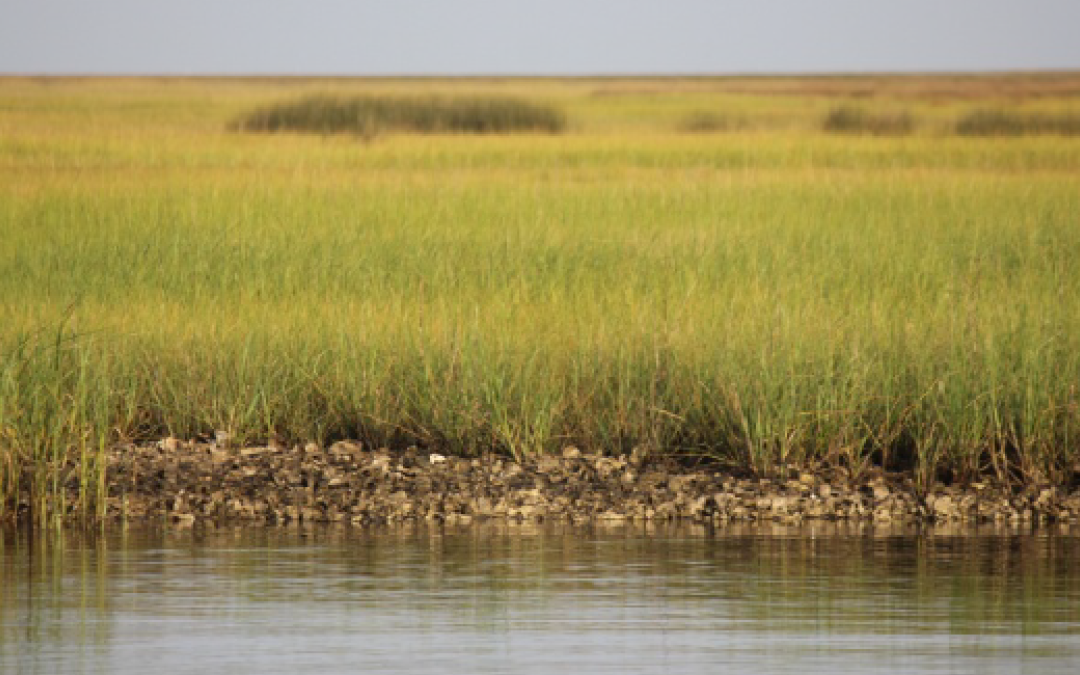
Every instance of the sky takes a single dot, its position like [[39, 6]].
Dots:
[[542, 37]]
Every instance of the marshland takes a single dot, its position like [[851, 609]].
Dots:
[[859, 274]]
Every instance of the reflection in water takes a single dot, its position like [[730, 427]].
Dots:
[[495, 599]]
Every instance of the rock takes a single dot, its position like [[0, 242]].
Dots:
[[169, 444], [512, 470], [703, 506], [639, 455], [607, 467], [883, 515], [779, 504], [345, 450], [677, 484], [666, 511], [548, 465], [943, 507], [482, 506]]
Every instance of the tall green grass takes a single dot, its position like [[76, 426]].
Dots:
[[370, 115], [768, 299], [54, 426]]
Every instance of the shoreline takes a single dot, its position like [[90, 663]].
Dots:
[[194, 482]]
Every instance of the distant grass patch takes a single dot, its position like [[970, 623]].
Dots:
[[704, 121], [370, 115], [1013, 123], [850, 120]]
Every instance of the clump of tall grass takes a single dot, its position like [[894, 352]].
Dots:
[[54, 424], [851, 120], [1014, 123], [370, 115]]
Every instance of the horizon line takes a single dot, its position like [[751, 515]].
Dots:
[[560, 76]]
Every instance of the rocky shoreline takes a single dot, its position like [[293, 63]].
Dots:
[[191, 482]]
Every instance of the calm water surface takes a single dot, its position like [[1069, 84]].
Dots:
[[534, 600]]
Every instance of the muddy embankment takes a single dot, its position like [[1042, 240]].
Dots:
[[191, 482]]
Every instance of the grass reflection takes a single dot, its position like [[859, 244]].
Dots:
[[68, 589]]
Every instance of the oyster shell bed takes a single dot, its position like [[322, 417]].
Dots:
[[189, 482]]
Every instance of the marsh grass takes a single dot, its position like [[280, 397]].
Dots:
[[703, 121], [769, 300], [369, 115], [1000, 122], [54, 425], [852, 120]]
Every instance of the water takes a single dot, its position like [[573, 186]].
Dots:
[[534, 600]]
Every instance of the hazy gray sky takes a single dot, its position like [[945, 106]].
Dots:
[[542, 37]]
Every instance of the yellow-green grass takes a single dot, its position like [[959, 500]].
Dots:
[[771, 296]]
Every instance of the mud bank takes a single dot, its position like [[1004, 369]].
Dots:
[[188, 482]]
